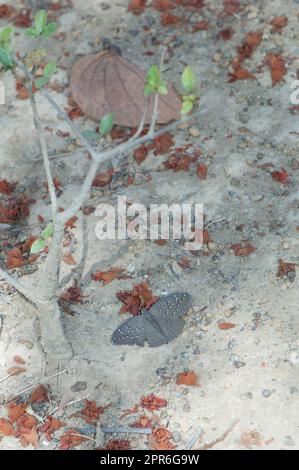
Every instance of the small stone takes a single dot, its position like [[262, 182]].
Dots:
[[289, 441], [79, 386], [212, 246], [217, 57], [176, 437], [239, 364], [105, 6], [187, 408], [266, 393], [194, 132], [235, 182], [285, 245]]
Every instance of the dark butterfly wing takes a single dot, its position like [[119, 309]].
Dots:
[[160, 325], [168, 314], [132, 331]]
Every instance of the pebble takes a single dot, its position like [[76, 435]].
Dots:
[[79, 386], [187, 408], [176, 437], [266, 393], [239, 364], [289, 441], [194, 132], [285, 245]]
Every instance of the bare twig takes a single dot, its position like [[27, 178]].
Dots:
[[156, 98], [7, 377], [21, 288], [221, 438], [60, 112], [125, 430], [44, 151], [41, 382]]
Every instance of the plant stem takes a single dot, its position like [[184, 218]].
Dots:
[[21, 288], [44, 151], [156, 98]]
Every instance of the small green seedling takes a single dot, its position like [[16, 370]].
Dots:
[[49, 70], [155, 82], [189, 85], [5, 55], [40, 243], [106, 124], [41, 26]]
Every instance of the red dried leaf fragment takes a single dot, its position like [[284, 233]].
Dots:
[[16, 370], [6, 187], [230, 7], [252, 41], [50, 426], [277, 67], [202, 171], [71, 223], [169, 19], [102, 179], [118, 444], [201, 26], [140, 153], [16, 410], [137, 6], [162, 144], [178, 162], [225, 325], [6, 11], [225, 34], [72, 294], [281, 176], [70, 439], [160, 440], [285, 268], [153, 403], [240, 74], [278, 23], [6, 428], [187, 378], [22, 19], [243, 249], [142, 422], [14, 258], [92, 412], [162, 5], [134, 301], [108, 276], [19, 360], [39, 394]]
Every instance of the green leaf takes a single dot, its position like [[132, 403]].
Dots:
[[31, 32], [49, 69], [90, 135], [49, 29], [37, 246], [5, 58], [40, 21], [5, 35], [148, 90], [188, 80], [162, 89], [186, 106], [48, 232], [154, 76], [41, 81], [106, 123]]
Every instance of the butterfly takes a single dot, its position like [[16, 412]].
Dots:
[[162, 323]]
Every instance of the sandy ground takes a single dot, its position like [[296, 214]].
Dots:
[[248, 375]]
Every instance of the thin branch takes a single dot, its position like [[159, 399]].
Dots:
[[21, 288], [59, 110], [141, 125], [44, 151], [41, 382], [156, 98], [125, 430], [63, 217]]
